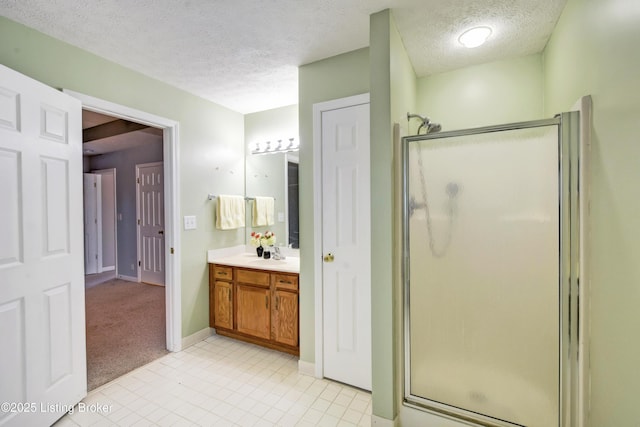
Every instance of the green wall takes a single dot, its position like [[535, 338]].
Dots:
[[393, 94], [498, 92], [337, 77], [594, 51], [382, 297], [211, 141]]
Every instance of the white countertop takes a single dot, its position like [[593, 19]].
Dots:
[[251, 260]]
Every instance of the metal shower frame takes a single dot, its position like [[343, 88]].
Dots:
[[568, 125]]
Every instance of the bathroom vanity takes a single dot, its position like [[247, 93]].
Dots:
[[255, 300]]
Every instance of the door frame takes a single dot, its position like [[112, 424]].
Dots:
[[138, 236], [170, 148], [103, 172], [318, 109]]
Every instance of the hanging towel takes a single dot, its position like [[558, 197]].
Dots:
[[230, 212], [263, 208]]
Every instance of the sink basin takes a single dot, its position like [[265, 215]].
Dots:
[[266, 261]]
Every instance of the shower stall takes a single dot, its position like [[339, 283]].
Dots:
[[490, 258]]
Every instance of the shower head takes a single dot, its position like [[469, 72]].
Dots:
[[428, 126], [433, 127]]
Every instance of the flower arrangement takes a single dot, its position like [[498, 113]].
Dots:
[[269, 238], [266, 239]]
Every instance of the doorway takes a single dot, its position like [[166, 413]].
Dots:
[[170, 149], [125, 317], [100, 226]]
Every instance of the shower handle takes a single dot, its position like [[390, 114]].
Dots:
[[328, 257]]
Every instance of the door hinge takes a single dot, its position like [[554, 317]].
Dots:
[[138, 222], [138, 180], [171, 251], [139, 264], [95, 185]]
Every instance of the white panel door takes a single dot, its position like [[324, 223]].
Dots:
[[346, 241], [92, 223], [42, 323], [151, 222]]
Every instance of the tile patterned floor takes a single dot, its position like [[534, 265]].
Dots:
[[222, 382]]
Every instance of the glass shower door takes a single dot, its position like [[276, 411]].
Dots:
[[483, 293]]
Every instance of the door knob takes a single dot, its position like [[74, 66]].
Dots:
[[161, 232], [328, 257]]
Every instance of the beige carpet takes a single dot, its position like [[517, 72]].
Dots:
[[125, 328]]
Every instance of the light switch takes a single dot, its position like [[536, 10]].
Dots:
[[280, 216], [190, 222]]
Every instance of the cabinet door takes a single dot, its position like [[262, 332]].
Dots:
[[252, 311], [286, 318], [223, 305]]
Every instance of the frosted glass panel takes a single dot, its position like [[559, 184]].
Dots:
[[484, 273]]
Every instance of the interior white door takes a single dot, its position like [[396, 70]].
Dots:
[[346, 222], [151, 222], [42, 323], [92, 223]]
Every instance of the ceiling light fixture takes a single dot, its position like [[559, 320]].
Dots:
[[474, 37]]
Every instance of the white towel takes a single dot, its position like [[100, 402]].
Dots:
[[263, 208], [230, 212]]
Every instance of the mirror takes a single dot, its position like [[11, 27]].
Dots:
[[274, 175]]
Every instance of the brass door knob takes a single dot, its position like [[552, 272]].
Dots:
[[328, 257]]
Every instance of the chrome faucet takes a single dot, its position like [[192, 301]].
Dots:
[[277, 254]]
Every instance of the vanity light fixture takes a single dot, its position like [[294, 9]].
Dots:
[[474, 37], [280, 146]]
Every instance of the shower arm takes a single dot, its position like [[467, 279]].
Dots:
[[426, 123]]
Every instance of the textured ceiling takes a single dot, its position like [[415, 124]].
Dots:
[[244, 54]]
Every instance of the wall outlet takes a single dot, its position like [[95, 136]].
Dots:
[[190, 222], [280, 216]]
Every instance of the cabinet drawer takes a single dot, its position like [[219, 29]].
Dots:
[[222, 273], [253, 277], [285, 281]]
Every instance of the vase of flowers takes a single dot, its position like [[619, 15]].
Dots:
[[268, 240], [256, 240]]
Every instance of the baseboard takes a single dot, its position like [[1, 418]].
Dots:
[[196, 338], [103, 269], [128, 278], [307, 368], [383, 422]]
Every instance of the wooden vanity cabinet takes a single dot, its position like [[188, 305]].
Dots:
[[253, 314], [257, 306], [221, 297], [285, 313]]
